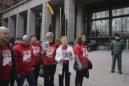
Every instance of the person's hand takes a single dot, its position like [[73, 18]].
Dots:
[[62, 59], [18, 75], [70, 54], [44, 52], [33, 68]]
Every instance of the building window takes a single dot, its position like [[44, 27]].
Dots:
[[121, 25], [120, 21], [102, 14], [100, 25], [121, 11], [100, 28]]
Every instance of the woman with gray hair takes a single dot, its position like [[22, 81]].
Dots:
[[49, 49]]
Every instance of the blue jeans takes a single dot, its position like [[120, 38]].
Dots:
[[30, 78]]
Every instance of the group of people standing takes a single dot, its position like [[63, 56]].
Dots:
[[23, 60]]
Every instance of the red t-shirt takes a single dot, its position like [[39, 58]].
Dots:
[[24, 59], [6, 62], [81, 51], [37, 53], [49, 57]]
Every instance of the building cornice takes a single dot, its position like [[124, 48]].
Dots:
[[14, 6]]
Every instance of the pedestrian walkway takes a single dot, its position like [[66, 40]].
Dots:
[[100, 75]]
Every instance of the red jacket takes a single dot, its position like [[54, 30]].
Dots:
[[37, 53], [49, 57], [81, 51], [6, 62], [24, 58]]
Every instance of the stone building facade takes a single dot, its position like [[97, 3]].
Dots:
[[21, 18]]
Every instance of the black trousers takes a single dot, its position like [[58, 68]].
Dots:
[[36, 72], [116, 57], [49, 72], [66, 74], [13, 76], [12, 82], [4, 82], [79, 78]]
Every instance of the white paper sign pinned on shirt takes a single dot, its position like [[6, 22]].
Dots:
[[50, 52], [6, 61], [45, 45], [36, 50], [26, 55], [6, 57], [85, 52], [65, 55]]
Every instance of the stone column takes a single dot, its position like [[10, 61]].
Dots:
[[79, 23], [5, 22], [12, 26], [58, 30], [19, 26], [69, 8], [31, 22], [46, 20]]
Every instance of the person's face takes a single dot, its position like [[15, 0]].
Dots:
[[26, 41], [83, 38], [117, 37], [34, 39], [64, 41], [4, 35], [50, 38]]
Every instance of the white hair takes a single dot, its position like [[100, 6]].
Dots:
[[50, 34], [4, 29], [26, 37]]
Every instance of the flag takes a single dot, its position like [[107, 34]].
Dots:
[[50, 8]]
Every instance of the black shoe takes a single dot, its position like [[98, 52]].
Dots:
[[112, 71], [120, 72]]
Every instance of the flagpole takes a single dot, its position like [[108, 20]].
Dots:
[[46, 16], [60, 19], [65, 27]]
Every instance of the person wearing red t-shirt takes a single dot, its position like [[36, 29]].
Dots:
[[6, 58], [81, 53], [49, 63], [24, 62], [37, 53], [16, 43]]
